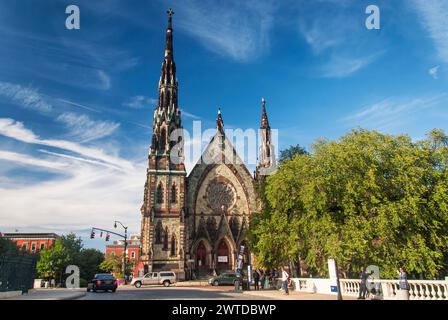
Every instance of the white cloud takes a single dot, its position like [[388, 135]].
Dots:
[[27, 97], [83, 197], [340, 67], [85, 129], [140, 102], [22, 159], [434, 72], [105, 83], [434, 20], [15, 130], [392, 112], [235, 29]]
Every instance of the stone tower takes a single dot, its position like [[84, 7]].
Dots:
[[266, 156], [163, 210]]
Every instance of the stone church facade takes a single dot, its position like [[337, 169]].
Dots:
[[195, 223]]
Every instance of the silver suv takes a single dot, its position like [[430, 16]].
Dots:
[[155, 278]]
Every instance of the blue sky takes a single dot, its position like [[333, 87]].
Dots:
[[76, 106]]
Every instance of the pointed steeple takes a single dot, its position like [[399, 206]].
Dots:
[[264, 116], [169, 34], [266, 156], [167, 116], [220, 122]]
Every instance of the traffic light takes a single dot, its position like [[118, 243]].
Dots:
[[107, 237], [92, 235]]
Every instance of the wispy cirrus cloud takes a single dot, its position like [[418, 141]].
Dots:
[[340, 67], [27, 97], [434, 72], [433, 15], [83, 128], [81, 196], [331, 29], [17, 131], [80, 126], [393, 112], [140, 102], [239, 30]]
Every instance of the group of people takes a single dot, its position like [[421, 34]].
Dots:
[[268, 279], [402, 283]]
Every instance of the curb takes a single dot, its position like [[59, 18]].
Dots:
[[10, 294], [74, 296]]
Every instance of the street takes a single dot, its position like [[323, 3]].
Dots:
[[171, 293]]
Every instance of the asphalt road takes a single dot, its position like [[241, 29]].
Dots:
[[170, 293]]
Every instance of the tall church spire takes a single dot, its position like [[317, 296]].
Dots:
[[266, 156], [167, 114]]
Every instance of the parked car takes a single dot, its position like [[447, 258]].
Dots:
[[102, 281], [226, 278], [155, 278]]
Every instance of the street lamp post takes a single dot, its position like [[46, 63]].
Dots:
[[125, 249]]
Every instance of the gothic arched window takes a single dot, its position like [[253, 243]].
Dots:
[[165, 239], [159, 230], [173, 245], [159, 194], [173, 194]]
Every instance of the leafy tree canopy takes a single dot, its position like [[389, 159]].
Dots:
[[368, 198]]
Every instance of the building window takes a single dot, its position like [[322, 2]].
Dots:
[[173, 245], [159, 233], [162, 143], [173, 194], [24, 247], [165, 239], [132, 255], [159, 194], [33, 247], [42, 246]]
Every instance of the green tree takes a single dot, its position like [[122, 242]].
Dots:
[[89, 261], [368, 198], [291, 152], [53, 261]]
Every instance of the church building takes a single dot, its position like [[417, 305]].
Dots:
[[196, 223]]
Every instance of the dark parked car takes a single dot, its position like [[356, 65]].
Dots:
[[228, 278], [102, 281]]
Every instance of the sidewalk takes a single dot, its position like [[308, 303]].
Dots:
[[52, 294], [192, 283], [293, 295]]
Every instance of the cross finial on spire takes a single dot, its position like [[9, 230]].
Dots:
[[170, 13]]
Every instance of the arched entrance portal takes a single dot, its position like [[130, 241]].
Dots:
[[223, 256], [201, 256]]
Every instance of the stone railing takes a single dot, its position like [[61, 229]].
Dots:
[[384, 289], [389, 289]]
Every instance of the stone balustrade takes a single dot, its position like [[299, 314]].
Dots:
[[384, 289]]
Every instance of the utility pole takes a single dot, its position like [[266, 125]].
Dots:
[[125, 250], [124, 236]]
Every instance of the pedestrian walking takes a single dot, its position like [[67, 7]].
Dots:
[[256, 277], [285, 281], [363, 275], [262, 279], [403, 284], [275, 278]]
